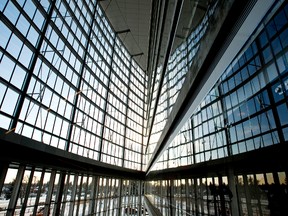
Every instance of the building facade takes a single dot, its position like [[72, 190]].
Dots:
[[85, 130]]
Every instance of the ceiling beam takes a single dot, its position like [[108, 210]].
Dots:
[[123, 31], [138, 54]]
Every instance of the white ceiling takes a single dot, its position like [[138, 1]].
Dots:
[[134, 15]]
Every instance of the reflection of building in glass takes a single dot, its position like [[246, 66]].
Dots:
[[196, 123]]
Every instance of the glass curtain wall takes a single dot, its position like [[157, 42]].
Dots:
[[245, 111], [29, 190], [67, 81], [257, 194], [178, 65]]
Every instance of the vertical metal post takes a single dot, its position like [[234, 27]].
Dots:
[[226, 123], [93, 195], [232, 186], [106, 197], [129, 194], [59, 194], [97, 195], [197, 211], [3, 172], [85, 195], [193, 143], [143, 155], [213, 191], [79, 187], [73, 195], [222, 197], [201, 196], [65, 193], [120, 197], [106, 101], [140, 197], [171, 197], [15, 192], [73, 113], [49, 193], [230, 173], [31, 67], [248, 196], [110, 199], [257, 196], [100, 196], [126, 111], [27, 192], [39, 192], [187, 199]]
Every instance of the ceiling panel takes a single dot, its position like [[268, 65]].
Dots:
[[133, 15]]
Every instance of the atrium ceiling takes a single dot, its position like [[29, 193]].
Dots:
[[135, 15]]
